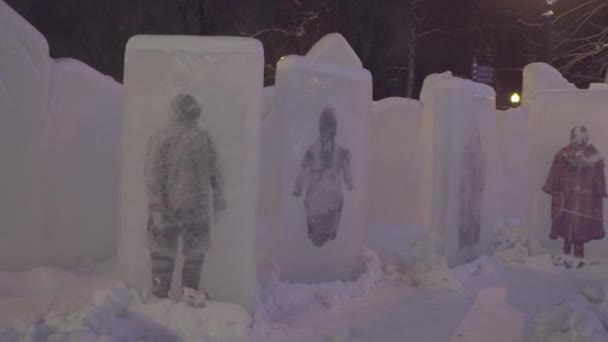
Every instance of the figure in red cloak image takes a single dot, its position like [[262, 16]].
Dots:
[[577, 186]]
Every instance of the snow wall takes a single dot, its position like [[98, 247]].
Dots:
[[58, 140]]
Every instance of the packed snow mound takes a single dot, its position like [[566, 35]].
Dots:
[[542, 76], [334, 49], [582, 319], [411, 254], [511, 245], [118, 313], [281, 299], [471, 278]]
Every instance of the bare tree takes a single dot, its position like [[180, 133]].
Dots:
[[303, 24], [193, 15], [581, 41], [573, 37], [421, 23]]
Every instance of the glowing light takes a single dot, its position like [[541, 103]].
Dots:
[[515, 98]]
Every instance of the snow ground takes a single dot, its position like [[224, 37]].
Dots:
[[399, 297]]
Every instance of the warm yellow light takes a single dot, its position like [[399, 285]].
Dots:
[[515, 98]]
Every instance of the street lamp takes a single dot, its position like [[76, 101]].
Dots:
[[515, 98]]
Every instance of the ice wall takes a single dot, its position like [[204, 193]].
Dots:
[[80, 161], [270, 185], [58, 132], [225, 76], [513, 151], [553, 113], [24, 87], [394, 184], [464, 168], [304, 89]]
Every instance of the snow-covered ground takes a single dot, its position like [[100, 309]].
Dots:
[[400, 296]]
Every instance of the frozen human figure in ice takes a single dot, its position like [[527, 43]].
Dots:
[[180, 172], [471, 187], [324, 166], [577, 187]]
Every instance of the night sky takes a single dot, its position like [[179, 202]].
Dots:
[[506, 34]]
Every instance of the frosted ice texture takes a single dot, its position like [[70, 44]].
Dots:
[[512, 129], [24, 72], [224, 75], [463, 171], [304, 89], [334, 49], [81, 154], [395, 171], [60, 127]]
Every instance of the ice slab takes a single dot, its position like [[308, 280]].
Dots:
[[81, 165], [326, 189], [512, 129], [424, 150], [224, 75], [553, 114], [394, 182], [24, 87], [463, 170], [334, 49]]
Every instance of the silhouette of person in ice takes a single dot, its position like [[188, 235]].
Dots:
[[471, 187], [183, 183], [324, 166]]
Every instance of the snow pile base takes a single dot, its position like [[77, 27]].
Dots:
[[283, 299], [473, 277], [583, 319], [410, 254], [511, 245], [117, 313]]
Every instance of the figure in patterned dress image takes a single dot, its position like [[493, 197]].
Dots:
[[326, 164], [471, 188], [577, 186], [184, 185]]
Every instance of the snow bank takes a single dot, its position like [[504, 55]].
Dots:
[[581, 319], [511, 245], [283, 299], [117, 313], [491, 319]]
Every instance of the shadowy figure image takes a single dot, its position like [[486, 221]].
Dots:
[[324, 166], [577, 187], [472, 183], [183, 183]]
